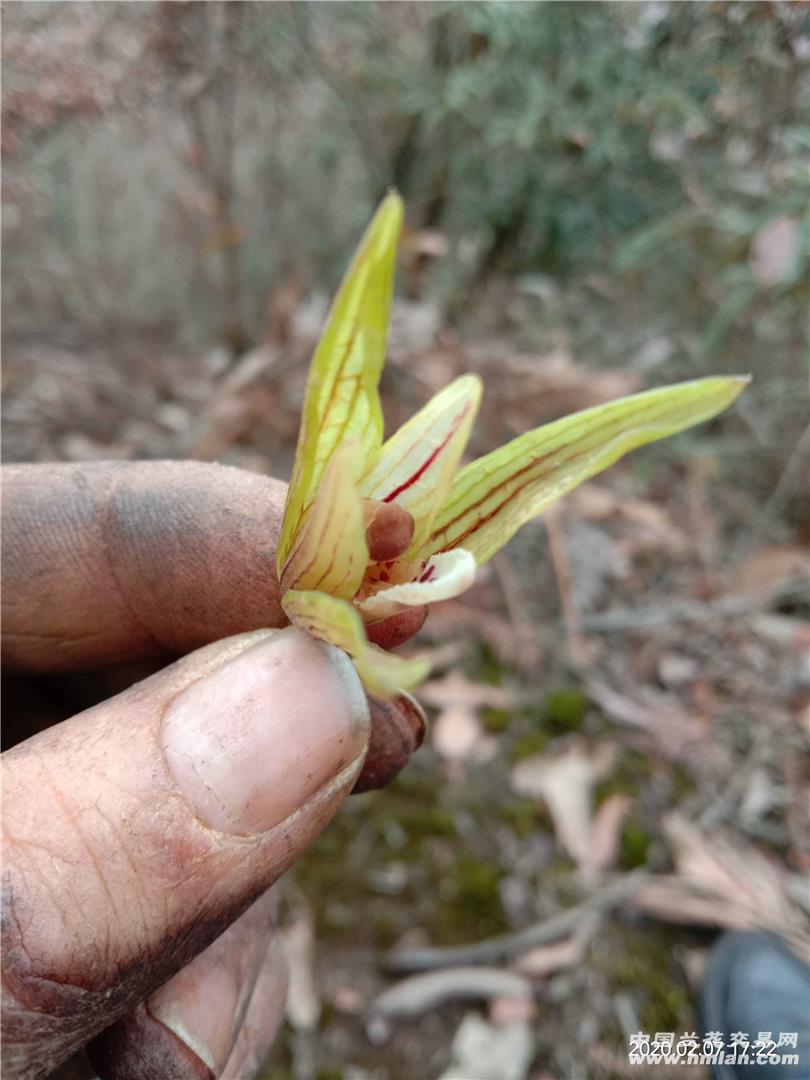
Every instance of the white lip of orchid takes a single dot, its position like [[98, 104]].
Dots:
[[443, 577], [461, 516]]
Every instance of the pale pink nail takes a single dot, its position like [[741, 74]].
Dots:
[[251, 742]]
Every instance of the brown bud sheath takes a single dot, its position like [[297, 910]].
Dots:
[[397, 730], [389, 529]]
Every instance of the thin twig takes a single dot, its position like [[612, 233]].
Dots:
[[528, 651], [508, 945], [578, 651], [420, 993]]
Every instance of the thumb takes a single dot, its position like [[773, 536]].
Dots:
[[138, 830]]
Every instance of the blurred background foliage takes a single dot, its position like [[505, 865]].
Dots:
[[166, 164]]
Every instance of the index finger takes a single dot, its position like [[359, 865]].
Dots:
[[120, 561], [117, 561]]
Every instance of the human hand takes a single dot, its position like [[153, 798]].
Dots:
[[139, 830]]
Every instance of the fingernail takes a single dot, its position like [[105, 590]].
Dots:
[[207, 1004], [252, 741]]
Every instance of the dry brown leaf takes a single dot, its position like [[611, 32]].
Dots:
[[566, 781], [455, 689], [606, 831], [594, 501], [303, 1006], [671, 899], [457, 732], [768, 568], [775, 250], [619, 706], [652, 528], [724, 881], [675, 730]]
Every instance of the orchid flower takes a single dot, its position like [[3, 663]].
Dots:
[[372, 528]]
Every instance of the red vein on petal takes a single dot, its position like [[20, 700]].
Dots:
[[357, 380], [472, 507], [299, 537], [335, 584], [315, 584], [428, 461], [493, 513], [331, 393]]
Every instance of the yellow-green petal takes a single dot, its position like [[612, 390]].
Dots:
[[330, 551], [416, 466], [493, 496], [341, 398], [337, 622]]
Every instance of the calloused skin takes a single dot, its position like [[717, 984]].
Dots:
[[137, 918]]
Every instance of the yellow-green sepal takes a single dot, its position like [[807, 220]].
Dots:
[[329, 550], [338, 623], [341, 399], [492, 497]]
